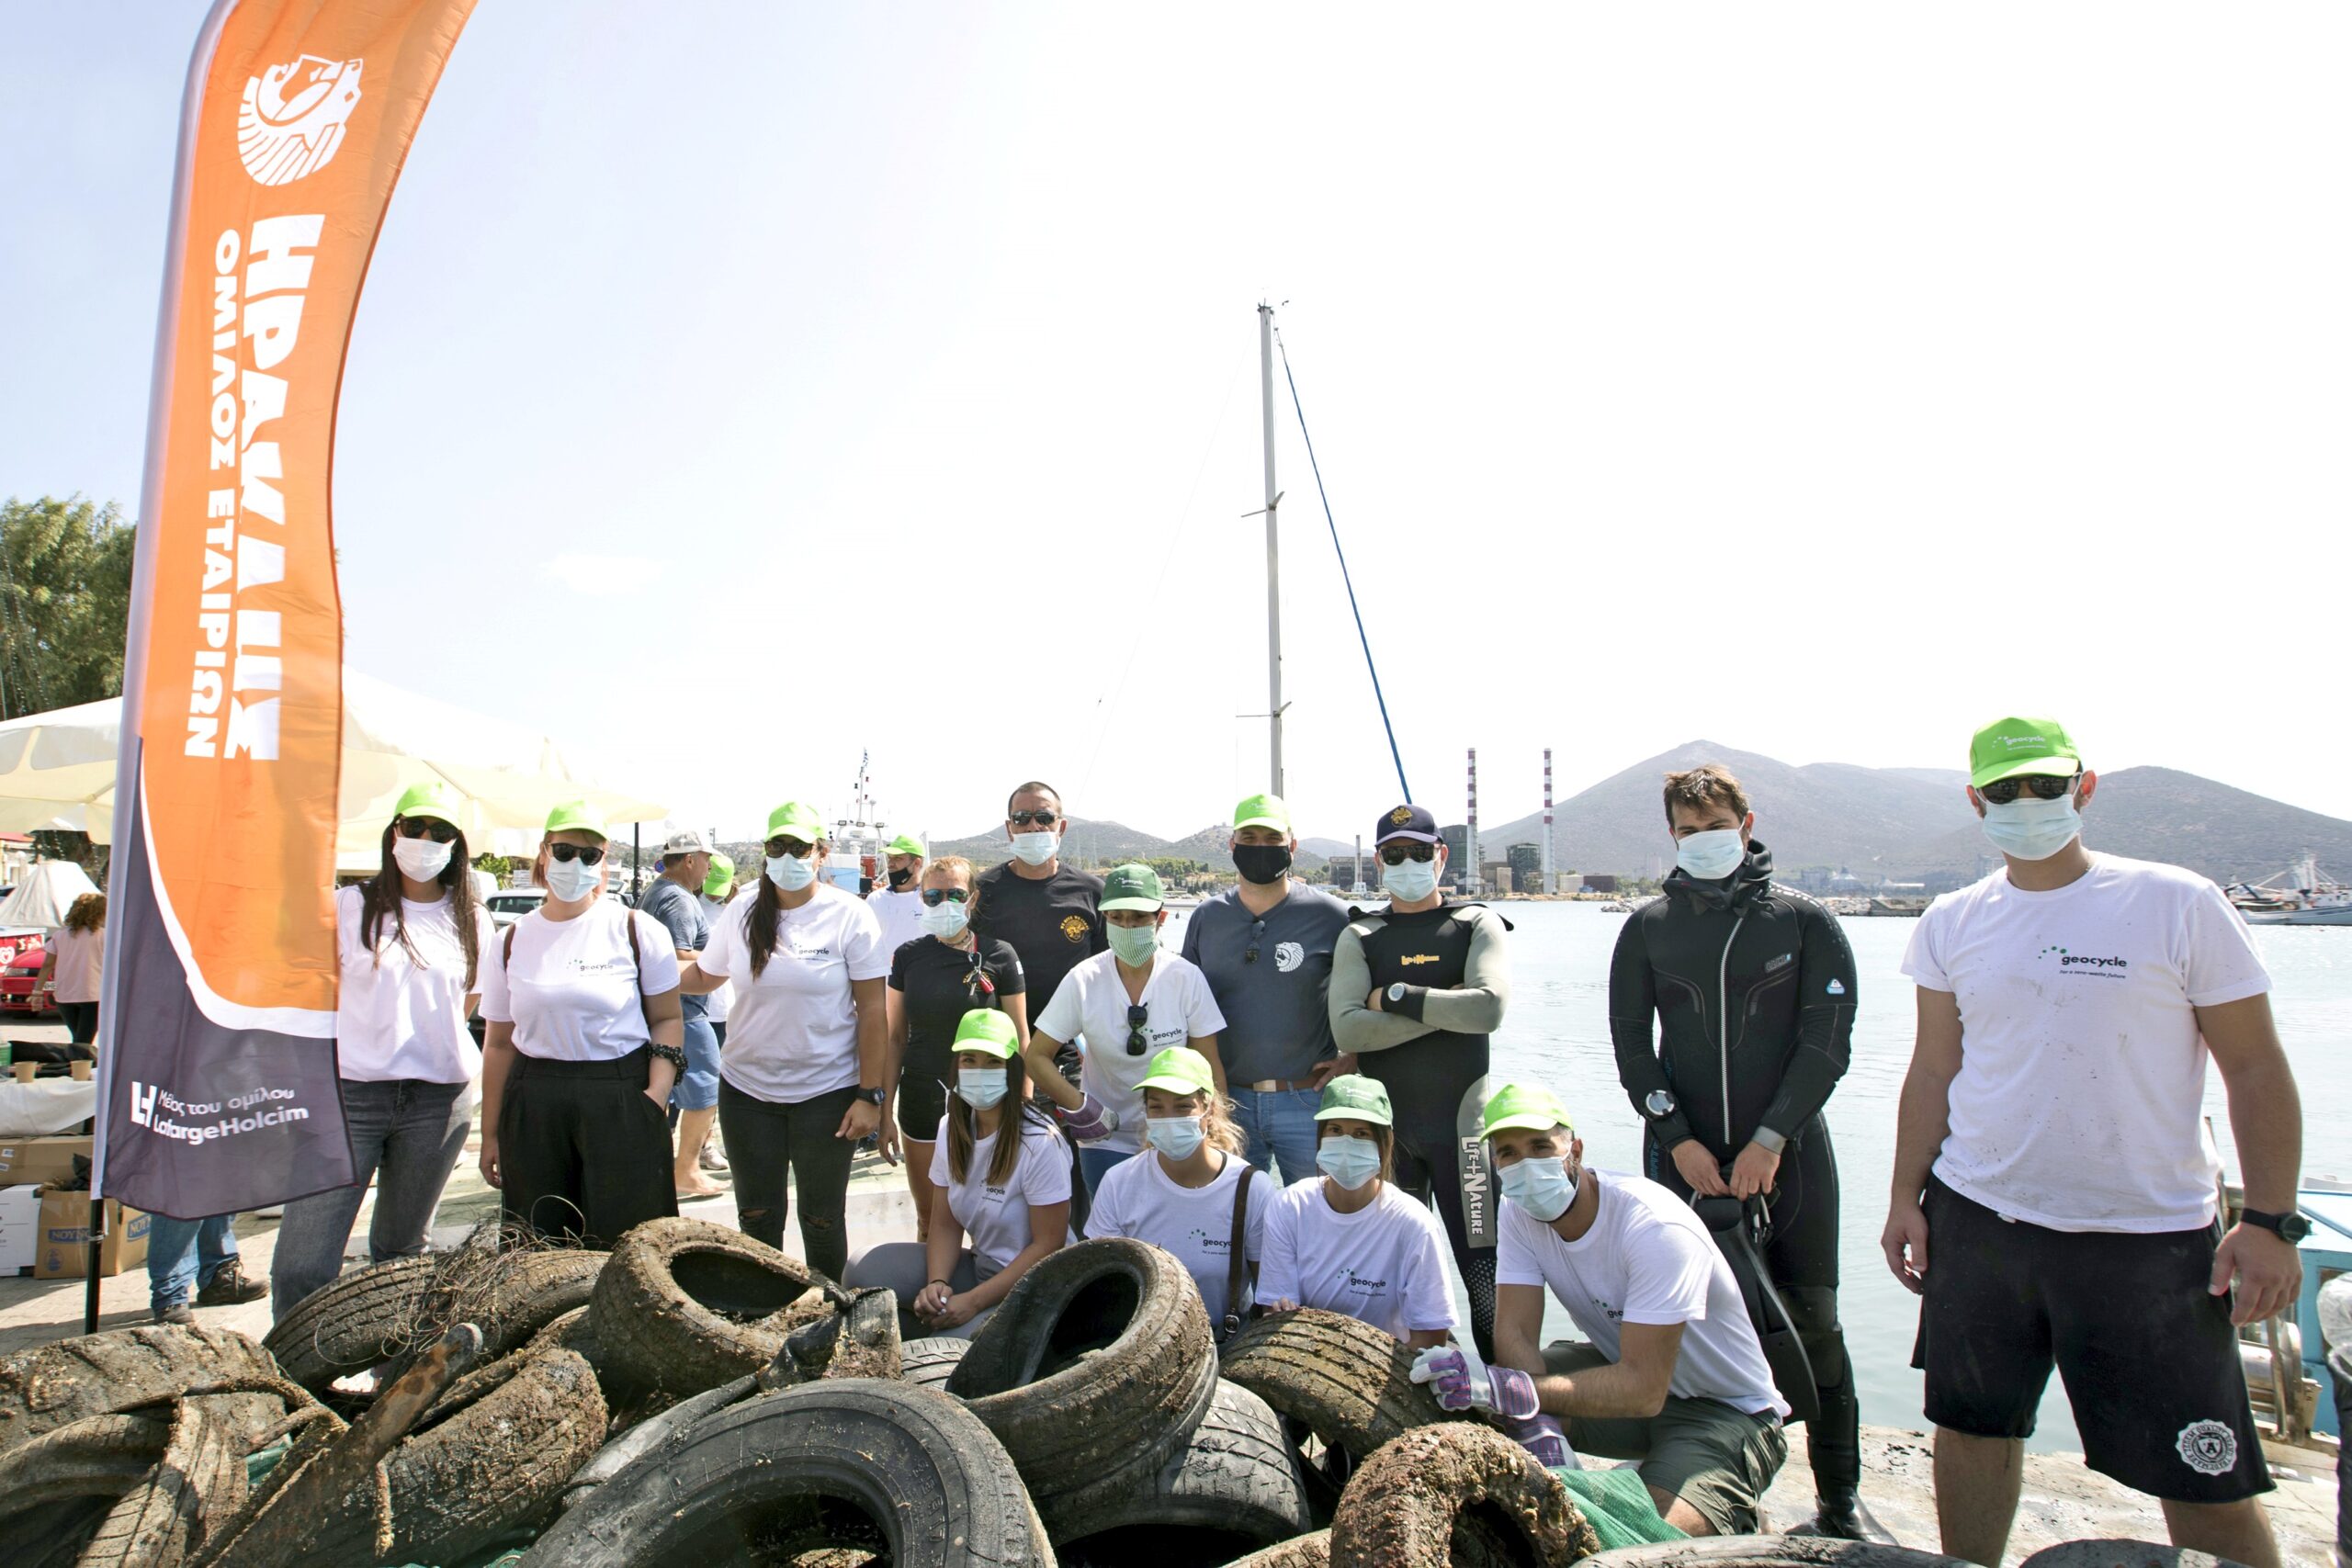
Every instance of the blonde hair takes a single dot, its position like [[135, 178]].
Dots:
[[1217, 1126]]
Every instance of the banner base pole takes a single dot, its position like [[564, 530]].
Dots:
[[90, 1268]]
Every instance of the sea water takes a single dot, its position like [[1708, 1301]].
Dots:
[[1557, 1032]]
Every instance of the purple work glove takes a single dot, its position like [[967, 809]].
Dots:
[[1461, 1381], [1091, 1122], [1543, 1438]]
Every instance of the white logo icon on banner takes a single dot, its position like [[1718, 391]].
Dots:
[[290, 121]]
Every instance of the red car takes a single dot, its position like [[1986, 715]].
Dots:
[[20, 988]]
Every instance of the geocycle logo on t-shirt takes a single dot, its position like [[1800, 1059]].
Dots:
[[1351, 1281], [1208, 1243], [2084, 963]]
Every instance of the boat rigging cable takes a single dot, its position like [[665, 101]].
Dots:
[[1393, 754]]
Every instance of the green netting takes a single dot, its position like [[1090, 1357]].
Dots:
[[1619, 1506]]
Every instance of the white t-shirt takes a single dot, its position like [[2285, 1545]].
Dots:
[[397, 1017], [792, 1030], [81, 960], [996, 1219], [2081, 1069], [1139, 1198], [1385, 1263], [1647, 1258], [716, 1002], [574, 991], [900, 915], [1092, 1001]]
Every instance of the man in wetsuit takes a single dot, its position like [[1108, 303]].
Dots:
[[1751, 988], [1416, 992]]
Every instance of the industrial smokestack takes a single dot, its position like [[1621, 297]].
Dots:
[[1470, 880], [1551, 885]]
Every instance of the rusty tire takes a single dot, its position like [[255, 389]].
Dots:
[[686, 1305], [1408, 1504], [123, 1369], [352, 1322], [496, 1466], [1348, 1382]]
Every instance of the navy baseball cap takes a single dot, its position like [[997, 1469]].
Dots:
[[1406, 822]]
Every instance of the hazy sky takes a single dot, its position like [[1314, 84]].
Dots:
[[741, 386]]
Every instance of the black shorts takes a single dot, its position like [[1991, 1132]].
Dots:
[[922, 1098], [2148, 1355]]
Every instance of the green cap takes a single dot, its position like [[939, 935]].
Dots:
[[796, 819], [2009, 746], [902, 845], [1132, 888], [722, 875], [988, 1031], [1263, 811], [579, 817], [1179, 1069], [1355, 1098], [1529, 1106], [432, 799]]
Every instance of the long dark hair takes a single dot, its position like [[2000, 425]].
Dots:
[[767, 914], [1019, 1112], [380, 895]]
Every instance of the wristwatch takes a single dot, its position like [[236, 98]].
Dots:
[[1397, 992], [2289, 1228], [871, 1096]]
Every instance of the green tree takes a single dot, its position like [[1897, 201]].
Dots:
[[64, 601]]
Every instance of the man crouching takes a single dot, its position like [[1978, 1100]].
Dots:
[[1672, 1374]]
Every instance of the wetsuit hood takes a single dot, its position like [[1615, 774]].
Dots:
[[1741, 888]]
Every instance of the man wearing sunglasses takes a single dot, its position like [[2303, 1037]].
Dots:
[[2050, 1160], [1050, 914], [1416, 992], [1266, 949]]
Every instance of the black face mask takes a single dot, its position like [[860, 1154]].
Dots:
[[899, 879], [1261, 863]]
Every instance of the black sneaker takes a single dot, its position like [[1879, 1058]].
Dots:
[[230, 1288], [177, 1313], [1838, 1516]]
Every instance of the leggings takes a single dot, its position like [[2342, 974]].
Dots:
[[1427, 1166], [766, 1140], [1803, 1258]]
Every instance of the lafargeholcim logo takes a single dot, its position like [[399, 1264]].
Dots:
[[2084, 963], [291, 120]]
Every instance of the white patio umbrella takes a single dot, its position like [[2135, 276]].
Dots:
[[57, 771]]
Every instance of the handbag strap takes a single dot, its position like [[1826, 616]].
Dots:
[[1236, 1265]]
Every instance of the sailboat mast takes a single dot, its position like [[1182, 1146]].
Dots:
[[1274, 551]]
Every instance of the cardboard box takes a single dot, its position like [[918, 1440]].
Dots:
[[39, 1161], [63, 1246], [19, 1227]]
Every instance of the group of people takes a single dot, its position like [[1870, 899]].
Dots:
[[1046, 1068]]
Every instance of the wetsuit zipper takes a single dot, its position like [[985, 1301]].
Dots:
[[1723, 1017]]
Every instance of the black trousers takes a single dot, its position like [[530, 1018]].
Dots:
[[768, 1141], [1426, 1163], [582, 1151], [81, 1021], [1803, 1259]]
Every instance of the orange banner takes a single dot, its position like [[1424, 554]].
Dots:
[[222, 968]]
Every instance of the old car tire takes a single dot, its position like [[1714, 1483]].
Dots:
[[883, 1466], [929, 1362], [686, 1305], [490, 1468], [352, 1322], [618, 1453], [97, 1374], [1348, 1382], [2118, 1554], [1769, 1551], [1405, 1505], [1236, 1476], [196, 1484], [1299, 1552]]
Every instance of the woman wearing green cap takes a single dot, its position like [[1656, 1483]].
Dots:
[[1348, 1241], [800, 1078], [1195, 1193], [1002, 1177], [409, 943], [1129, 1004], [585, 1038]]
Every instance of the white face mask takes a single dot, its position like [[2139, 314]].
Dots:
[[421, 860], [571, 881], [1713, 855], [1411, 880], [2029, 828], [980, 1088], [1036, 849], [945, 920], [793, 873]]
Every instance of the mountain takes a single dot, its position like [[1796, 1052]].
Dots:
[[1106, 843]]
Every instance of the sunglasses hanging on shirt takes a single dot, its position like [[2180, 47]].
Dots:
[[1136, 1040]]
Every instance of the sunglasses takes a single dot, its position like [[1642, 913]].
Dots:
[[1397, 854], [779, 846], [933, 897], [574, 851], [1257, 930], [1023, 818], [418, 827], [1137, 1017], [2045, 786]]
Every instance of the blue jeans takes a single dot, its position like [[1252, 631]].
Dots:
[[698, 1086], [184, 1255], [1095, 1162], [1279, 1126], [406, 1135]]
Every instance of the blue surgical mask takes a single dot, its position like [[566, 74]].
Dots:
[[1412, 881], [980, 1088], [1175, 1136], [793, 873], [1542, 1187], [944, 920], [569, 880], [1712, 856], [1134, 945], [2031, 828], [1036, 849], [1349, 1161]]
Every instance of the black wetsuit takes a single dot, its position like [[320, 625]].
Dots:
[[1749, 989]]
